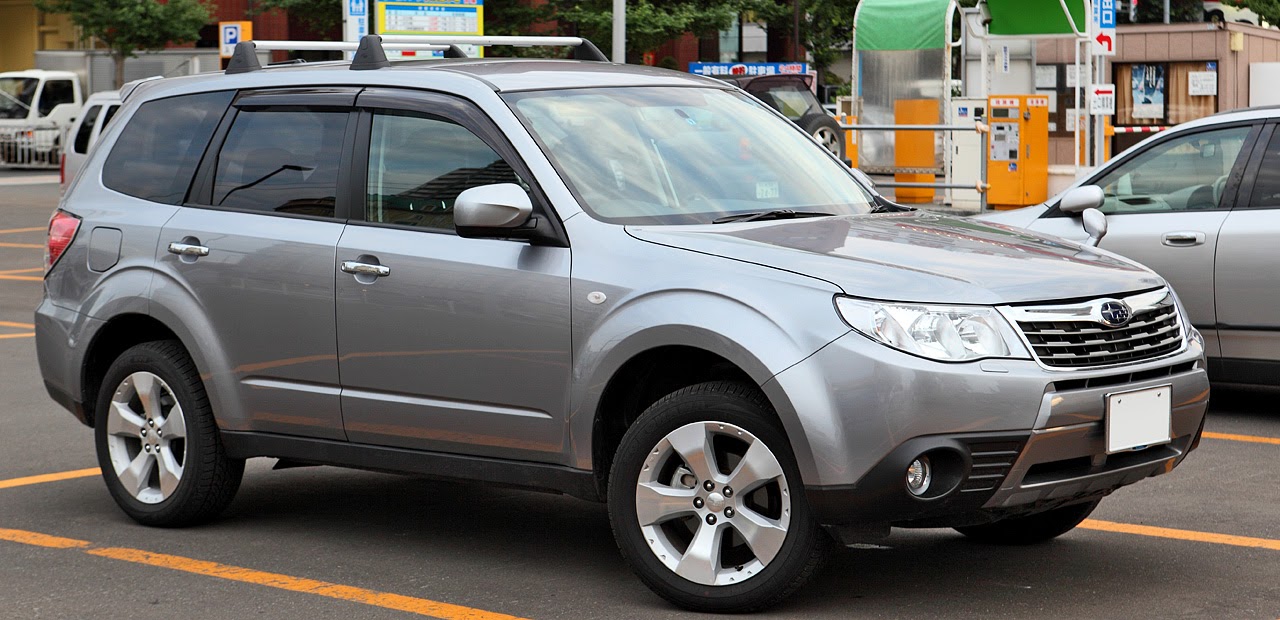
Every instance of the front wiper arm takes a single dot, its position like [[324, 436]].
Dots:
[[777, 214]]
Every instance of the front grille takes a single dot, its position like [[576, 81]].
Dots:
[[1151, 333], [991, 464]]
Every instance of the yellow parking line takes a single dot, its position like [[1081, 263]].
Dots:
[[65, 475], [1248, 438], [9, 336], [373, 598], [1164, 532], [16, 324], [42, 540], [33, 246], [22, 230], [21, 278], [10, 272]]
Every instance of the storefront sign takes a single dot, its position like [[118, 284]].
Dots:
[[740, 69], [1202, 83], [410, 17]]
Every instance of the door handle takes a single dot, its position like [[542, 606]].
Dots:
[[188, 249], [1182, 239], [365, 269]]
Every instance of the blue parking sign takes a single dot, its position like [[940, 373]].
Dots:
[[357, 8], [231, 35]]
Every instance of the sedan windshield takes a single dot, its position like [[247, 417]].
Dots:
[[16, 95], [684, 155]]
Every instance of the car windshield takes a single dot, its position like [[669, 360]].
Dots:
[[16, 95], [658, 155]]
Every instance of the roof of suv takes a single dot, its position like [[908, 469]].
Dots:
[[502, 75]]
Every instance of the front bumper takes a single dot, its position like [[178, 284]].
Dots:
[[1013, 438]]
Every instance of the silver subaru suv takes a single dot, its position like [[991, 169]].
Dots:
[[619, 283]]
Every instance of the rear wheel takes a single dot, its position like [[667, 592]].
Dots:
[[706, 502], [826, 131], [1031, 529], [158, 445]]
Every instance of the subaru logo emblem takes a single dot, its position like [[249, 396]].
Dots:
[[1115, 313]]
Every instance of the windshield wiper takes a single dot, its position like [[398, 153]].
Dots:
[[778, 214]]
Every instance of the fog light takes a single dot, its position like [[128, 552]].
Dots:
[[919, 475]]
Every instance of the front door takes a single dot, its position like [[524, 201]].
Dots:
[[1165, 207], [447, 344]]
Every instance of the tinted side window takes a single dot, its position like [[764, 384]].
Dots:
[[1266, 187], [1186, 173], [157, 153], [419, 165], [86, 129], [281, 161], [111, 113], [56, 92]]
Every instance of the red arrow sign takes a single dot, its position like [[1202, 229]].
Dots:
[[1101, 91], [1105, 40]]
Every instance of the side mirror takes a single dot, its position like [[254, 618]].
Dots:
[[1095, 223], [491, 210], [1080, 199], [63, 114]]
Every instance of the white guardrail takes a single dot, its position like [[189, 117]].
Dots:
[[30, 146]]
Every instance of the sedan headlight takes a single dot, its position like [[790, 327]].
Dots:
[[945, 333]]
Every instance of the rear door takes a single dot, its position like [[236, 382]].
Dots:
[[1248, 272], [463, 345], [1165, 206], [255, 247]]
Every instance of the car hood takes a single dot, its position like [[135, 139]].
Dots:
[[917, 257]]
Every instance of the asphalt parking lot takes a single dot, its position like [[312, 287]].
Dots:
[[313, 543]]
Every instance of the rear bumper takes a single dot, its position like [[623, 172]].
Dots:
[[58, 334]]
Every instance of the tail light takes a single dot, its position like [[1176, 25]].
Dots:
[[62, 230]]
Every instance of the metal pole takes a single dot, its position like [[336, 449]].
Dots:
[[1166, 11], [620, 31]]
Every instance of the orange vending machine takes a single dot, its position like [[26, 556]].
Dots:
[[1018, 153]]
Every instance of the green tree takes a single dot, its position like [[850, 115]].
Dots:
[[1268, 10], [126, 26], [650, 23]]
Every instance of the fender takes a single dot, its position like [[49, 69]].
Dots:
[[762, 329]]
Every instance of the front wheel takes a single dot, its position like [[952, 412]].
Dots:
[[158, 445], [706, 502], [1031, 529]]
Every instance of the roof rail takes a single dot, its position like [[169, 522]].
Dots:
[[583, 49], [369, 51]]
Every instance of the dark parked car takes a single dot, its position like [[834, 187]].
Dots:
[[790, 95]]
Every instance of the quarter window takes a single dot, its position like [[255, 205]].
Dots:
[[418, 165], [86, 129], [157, 152], [1186, 173], [281, 161]]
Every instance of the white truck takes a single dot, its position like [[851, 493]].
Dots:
[[36, 109]]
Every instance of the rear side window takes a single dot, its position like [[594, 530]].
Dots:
[[158, 151], [111, 112], [281, 161], [55, 93], [86, 129], [1266, 187]]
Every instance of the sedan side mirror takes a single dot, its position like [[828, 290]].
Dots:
[[1095, 223], [1079, 199]]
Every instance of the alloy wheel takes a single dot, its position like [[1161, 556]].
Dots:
[[713, 503], [146, 437]]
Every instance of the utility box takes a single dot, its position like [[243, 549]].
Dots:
[[965, 159], [1018, 155]]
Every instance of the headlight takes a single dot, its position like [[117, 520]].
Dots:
[[946, 333]]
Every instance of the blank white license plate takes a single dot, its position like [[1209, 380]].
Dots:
[[1139, 418]]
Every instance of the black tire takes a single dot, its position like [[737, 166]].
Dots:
[[209, 479], [820, 125], [806, 545], [1029, 530]]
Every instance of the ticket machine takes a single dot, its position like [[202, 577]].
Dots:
[[1018, 153]]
